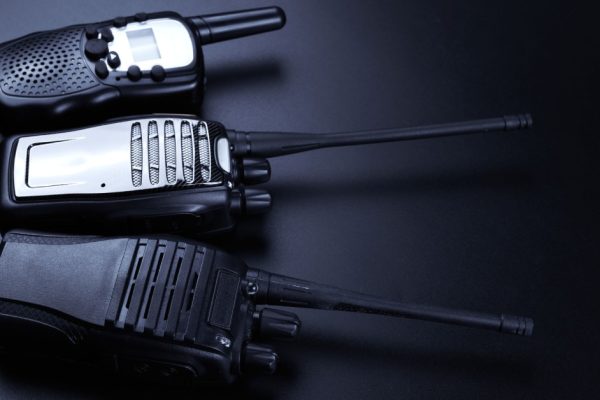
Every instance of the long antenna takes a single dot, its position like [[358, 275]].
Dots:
[[278, 290], [273, 144], [232, 25]]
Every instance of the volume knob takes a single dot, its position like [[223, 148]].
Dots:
[[255, 170], [276, 323], [250, 201], [259, 358]]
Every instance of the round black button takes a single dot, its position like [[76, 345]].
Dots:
[[96, 49], [120, 22], [157, 73], [101, 69], [91, 31], [113, 59], [141, 17], [106, 35], [134, 73]]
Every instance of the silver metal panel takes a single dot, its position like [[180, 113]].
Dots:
[[99, 159], [175, 48]]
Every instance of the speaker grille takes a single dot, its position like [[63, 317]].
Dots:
[[45, 64], [187, 151], [170, 152], [204, 152], [136, 154], [153, 156]]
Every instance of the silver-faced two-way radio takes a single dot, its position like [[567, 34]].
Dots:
[[165, 172]]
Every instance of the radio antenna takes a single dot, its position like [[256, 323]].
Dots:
[[273, 144], [279, 290], [232, 25]]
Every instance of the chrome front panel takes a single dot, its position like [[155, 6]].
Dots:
[[147, 153]]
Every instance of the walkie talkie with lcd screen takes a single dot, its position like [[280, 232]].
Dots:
[[170, 310], [88, 73], [165, 173]]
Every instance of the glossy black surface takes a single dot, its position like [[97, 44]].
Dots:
[[492, 222]]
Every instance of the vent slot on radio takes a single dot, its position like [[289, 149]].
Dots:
[[170, 152], [136, 154], [153, 156], [173, 153], [159, 296]]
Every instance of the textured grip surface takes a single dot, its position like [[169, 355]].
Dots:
[[74, 333], [73, 276]]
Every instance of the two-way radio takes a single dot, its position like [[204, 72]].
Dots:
[[165, 172], [88, 73], [170, 310], [165, 309]]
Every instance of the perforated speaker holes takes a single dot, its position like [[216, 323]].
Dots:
[[47, 64]]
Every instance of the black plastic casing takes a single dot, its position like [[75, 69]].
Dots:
[[193, 209], [165, 310], [47, 82]]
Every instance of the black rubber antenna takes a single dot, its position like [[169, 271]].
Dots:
[[278, 290], [273, 144], [232, 25]]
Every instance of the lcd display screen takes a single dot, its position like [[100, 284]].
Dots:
[[143, 45]]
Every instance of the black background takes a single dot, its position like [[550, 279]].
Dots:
[[497, 222]]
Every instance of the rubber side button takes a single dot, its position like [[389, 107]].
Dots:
[[119, 22], [91, 31], [141, 17]]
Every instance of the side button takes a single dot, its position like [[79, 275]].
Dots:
[[157, 73], [141, 17], [91, 31], [119, 22], [134, 73], [101, 69]]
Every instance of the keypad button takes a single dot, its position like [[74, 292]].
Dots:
[[106, 35], [157, 73], [113, 59], [95, 49], [134, 73], [101, 69]]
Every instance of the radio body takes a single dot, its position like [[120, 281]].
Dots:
[[164, 173], [88, 73], [171, 173], [153, 308], [169, 309]]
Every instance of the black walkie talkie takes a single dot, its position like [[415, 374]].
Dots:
[[164, 173], [169, 310], [87, 73]]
